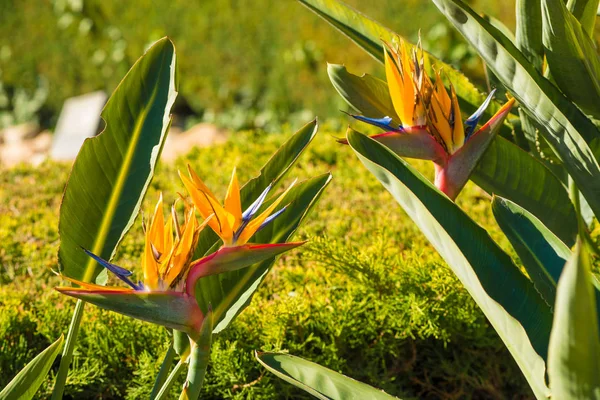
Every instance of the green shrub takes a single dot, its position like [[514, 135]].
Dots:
[[367, 297]]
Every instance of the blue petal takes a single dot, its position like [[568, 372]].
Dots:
[[121, 273], [472, 121], [384, 123], [250, 211], [271, 217]]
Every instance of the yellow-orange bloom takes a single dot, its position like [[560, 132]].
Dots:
[[169, 247], [232, 225]]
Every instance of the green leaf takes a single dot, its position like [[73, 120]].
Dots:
[[113, 170], [567, 130], [508, 299], [318, 381], [366, 94], [585, 11], [542, 253], [572, 57], [529, 31], [368, 35], [28, 380], [272, 172], [229, 293], [574, 353], [504, 169], [510, 172]]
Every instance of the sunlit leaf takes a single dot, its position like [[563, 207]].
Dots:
[[113, 170], [318, 381], [28, 380], [520, 315]]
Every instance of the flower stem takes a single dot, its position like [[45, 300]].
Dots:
[[196, 371], [164, 372], [67, 355], [164, 391], [200, 356]]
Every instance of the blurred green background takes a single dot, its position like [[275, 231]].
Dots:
[[243, 63]]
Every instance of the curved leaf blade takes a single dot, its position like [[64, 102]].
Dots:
[[574, 354], [528, 37], [28, 380], [572, 57], [322, 383], [567, 131], [520, 315], [113, 170], [542, 253], [508, 171], [585, 11], [504, 169], [366, 94]]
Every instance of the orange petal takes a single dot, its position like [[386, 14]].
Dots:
[[233, 203], [398, 91], [207, 205], [92, 286], [253, 226], [458, 131]]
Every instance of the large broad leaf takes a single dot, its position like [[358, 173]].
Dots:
[[504, 169], [508, 171], [528, 36], [542, 253], [572, 57], [28, 380], [368, 34], [508, 299], [574, 354], [568, 130], [271, 173], [319, 381], [230, 293], [113, 170], [585, 11]]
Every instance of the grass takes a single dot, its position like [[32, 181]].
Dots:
[[368, 296]]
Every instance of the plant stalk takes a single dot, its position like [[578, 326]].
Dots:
[[200, 355], [196, 371], [164, 390], [67, 355], [163, 373]]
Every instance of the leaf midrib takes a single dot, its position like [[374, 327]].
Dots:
[[118, 189]]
